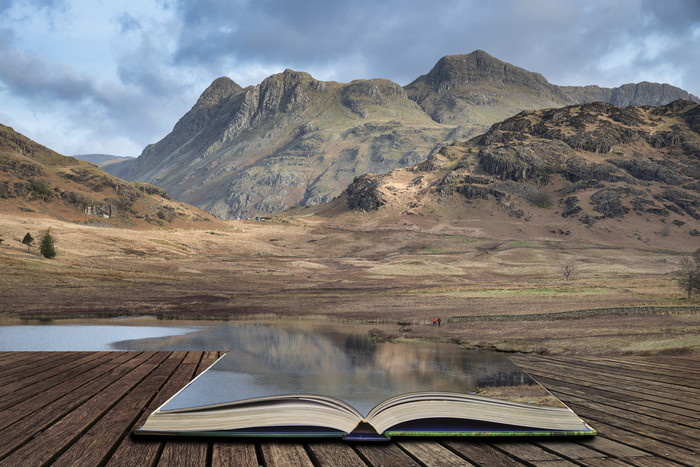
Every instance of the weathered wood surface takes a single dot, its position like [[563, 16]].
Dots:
[[79, 408]]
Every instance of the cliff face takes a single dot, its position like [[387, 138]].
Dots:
[[295, 140], [289, 140]]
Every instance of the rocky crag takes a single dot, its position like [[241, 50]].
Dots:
[[586, 164], [34, 180], [295, 140]]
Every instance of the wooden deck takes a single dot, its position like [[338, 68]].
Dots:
[[78, 408]]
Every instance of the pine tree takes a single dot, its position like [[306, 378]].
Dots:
[[689, 279], [47, 249]]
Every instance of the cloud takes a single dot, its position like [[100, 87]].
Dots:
[[90, 74]]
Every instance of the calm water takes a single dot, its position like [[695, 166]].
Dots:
[[266, 360], [91, 337]]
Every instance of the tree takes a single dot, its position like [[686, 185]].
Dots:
[[47, 249], [690, 274], [28, 240], [568, 269]]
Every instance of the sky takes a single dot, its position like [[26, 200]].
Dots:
[[112, 76]]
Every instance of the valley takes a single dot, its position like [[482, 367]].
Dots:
[[394, 278], [529, 217]]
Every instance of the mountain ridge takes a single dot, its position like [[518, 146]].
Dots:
[[293, 139]]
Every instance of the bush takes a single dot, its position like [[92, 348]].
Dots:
[[27, 240], [47, 248], [41, 188]]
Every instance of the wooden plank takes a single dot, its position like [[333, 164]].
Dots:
[[608, 462], [187, 453], [328, 453], [25, 429], [667, 375], [634, 387], [46, 445], [27, 376], [72, 387], [573, 393], [612, 448], [16, 360], [639, 411], [430, 453], [241, 454], [525, 452], [50, 387], [102, 437], [384, 455], [616, 392], [481, 453], [650, 462], [198, 362], [574, 390], [646, 444], [639, 385], [646, 430], [283, 453], [570, 450], [668, 371], [136, 451], [670, 367]]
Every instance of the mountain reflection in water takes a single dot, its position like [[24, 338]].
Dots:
[[269, 360]]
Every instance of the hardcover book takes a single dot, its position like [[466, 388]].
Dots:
[[278, 382]]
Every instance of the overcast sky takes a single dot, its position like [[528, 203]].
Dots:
[[101, 76]]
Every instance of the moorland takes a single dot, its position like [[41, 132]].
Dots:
[[493, 284]]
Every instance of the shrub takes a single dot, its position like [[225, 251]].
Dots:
[[47, 248], [41, 188], [27, 240]]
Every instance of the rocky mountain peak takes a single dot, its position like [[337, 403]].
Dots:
[[219, 89], [456, 70]]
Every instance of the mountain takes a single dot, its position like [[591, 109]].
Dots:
[[37, 181], [295, 140], [479, 90], [101, 159], [620, 171], [289, 140]]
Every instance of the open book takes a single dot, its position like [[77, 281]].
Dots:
[[292, 382]]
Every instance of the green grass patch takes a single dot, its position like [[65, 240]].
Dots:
[[523, 244], [485, 293], [578, 314]]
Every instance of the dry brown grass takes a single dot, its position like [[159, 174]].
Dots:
[[395, 278]]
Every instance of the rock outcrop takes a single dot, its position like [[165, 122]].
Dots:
[[591, 162]]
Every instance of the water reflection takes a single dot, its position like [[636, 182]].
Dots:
[[87, 337], [272, 360]]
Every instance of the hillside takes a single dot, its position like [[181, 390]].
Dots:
[[618, 175], [295, 140], [36, 181]]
